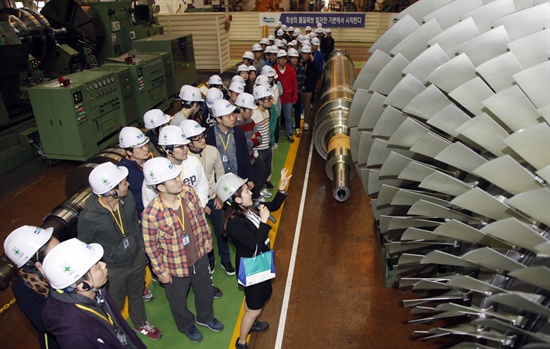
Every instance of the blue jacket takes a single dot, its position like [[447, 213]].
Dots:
[[243, 162], [135, 179]]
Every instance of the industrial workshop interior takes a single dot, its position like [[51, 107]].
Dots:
[[418, 210]]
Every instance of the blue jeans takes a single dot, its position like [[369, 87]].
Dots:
[[287, 113], [216, 218]]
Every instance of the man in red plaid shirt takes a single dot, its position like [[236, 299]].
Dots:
[[177, 239]]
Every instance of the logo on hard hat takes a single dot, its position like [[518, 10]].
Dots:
[[16, 251], [67, 269], [37, 231], [171, 166], [152, 174], [105, 181]]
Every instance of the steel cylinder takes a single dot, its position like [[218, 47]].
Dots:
[[331, 133]]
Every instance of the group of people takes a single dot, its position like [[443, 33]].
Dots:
[[212, 178]]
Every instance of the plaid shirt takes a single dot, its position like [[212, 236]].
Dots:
[[162, 234], [300, 75]]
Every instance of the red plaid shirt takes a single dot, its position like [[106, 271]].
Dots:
[[162, 234]]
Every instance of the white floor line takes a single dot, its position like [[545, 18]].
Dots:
[[288, 286]]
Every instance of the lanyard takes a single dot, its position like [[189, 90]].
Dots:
[[225, 145], [182, 221], [108, 319], [117, 221]]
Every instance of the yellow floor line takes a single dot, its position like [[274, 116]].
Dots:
[[289, 164]]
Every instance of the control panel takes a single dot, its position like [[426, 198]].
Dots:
[[147, 72], [78, 115]]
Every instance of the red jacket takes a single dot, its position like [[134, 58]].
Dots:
[[290, 84]]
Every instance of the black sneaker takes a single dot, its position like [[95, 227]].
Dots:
[[291, 139], [269, 185], [228, 267], [240, 346], [212, 266], [259, 326], [217, 293]]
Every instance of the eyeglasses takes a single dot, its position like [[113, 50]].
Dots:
[[266, 98], [199, 138]]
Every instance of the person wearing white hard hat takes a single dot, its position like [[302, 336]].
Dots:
[[279, 26], [26, 247], [312, 75], [230, 141], [79, 311], [258, 52], [235, 89], [262, 80], [264, 42], [211, 162], [136, 145], [154, 120], [179, 258], [248, 229], [308, 30], [271, 58], [287, 77], [327, 44], [242, 71], [294, 58], [248, 58], [208, 118], [191, 103], [271, 38], [275, 111], [110, 219], [261, 116], [174, 143], [245, 108], [252, 74]]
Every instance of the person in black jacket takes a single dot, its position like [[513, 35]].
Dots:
[[247, 227], [230, 141], [26, 247], [327, 44]]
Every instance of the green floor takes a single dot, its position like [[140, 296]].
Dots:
[[226, 308]]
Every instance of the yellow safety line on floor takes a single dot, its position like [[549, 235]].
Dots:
[[289, 164]]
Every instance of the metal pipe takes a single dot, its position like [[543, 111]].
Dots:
[[331, 134]]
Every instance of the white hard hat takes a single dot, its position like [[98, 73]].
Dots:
[[257, 47], [106, 176], [261, 91], [319, 31], [242, 67], [319, 25], [227, 185], [192, 94], [301, 38], [191, 128], [271, 37], [213, 95], [268, 71], [264, 41], [252, 68], [280, 32], [295, 42], [291, 44], [281, 53], [279, 23], [221, 108], [183, 89], [306, 49], [172, 135], [296, 32], [315, 41], [24, 242], [236, 87], [248, 55], [273, 49], [308, 28], [291, 29], [306, 43], [237, 78], [155, 118], [159, 170], [246, 100], [284, 27], [293, 52], [69, 261], [312, 35], [215, 80], [262, 80], [279, 44], [130, 137], [328, 31]]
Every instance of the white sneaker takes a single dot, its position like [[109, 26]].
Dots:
[[302, 116], [306, 126], [275, 146]]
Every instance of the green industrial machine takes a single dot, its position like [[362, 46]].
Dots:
[[81, 115], [183, 62], [148, 72]]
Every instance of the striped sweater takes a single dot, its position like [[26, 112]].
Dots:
[[262, 121]]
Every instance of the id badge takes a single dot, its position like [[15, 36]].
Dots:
[[126, 243], [185, 240], [224, 158]]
